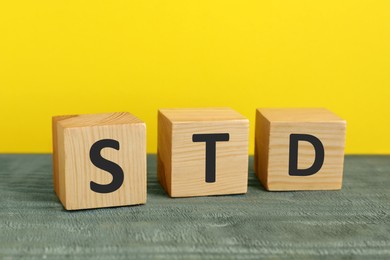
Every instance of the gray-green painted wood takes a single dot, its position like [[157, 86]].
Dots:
[[353, 222]]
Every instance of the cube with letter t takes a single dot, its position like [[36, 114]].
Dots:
[[299, 149], [99, 160], [202, 151]]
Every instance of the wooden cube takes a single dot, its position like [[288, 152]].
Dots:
[[202, 151], [99, 160], [299, 149]]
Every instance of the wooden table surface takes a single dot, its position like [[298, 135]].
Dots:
[[353, 222]]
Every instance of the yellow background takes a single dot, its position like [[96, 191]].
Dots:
[[66, 57]]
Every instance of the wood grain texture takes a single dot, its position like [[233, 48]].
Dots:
[[273, 130], [164, 144], [352, 223], [73, 170], [182, 161], [58, 152]]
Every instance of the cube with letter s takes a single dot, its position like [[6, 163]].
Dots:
[[99, 160]]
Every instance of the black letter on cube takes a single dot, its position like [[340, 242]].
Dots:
[[319, 155], [114, 169], [210, 140]]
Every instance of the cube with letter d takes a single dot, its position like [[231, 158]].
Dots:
[[99, 160], [202, 151], [299, 149]]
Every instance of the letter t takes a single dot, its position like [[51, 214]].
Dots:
[[210, 140]]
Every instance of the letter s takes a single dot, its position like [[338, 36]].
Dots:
[[114, 169]]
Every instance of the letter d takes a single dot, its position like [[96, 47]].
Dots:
[[293, 157]]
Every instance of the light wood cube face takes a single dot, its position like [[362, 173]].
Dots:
[[299, 149], [99, 160], [202, 151]]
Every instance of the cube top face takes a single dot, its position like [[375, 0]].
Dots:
[[277, 132], [89, 120], [182, 158], [76, 169], [190, 115], [301, 115]]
